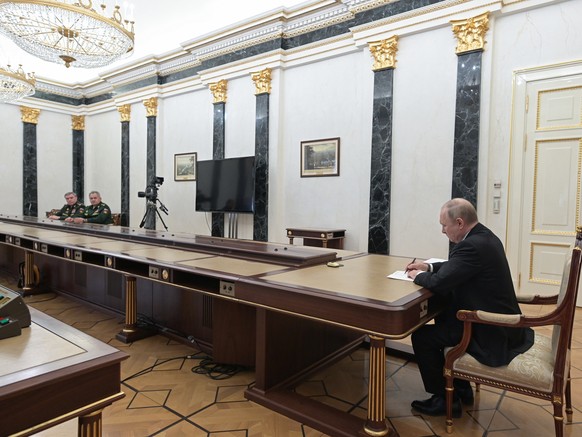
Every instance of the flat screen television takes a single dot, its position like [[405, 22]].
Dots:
[[226, 185]]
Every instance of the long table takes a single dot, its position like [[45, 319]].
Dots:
[[300, 302], [52, 373]]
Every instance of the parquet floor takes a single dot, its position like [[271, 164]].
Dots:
[[166, 396]]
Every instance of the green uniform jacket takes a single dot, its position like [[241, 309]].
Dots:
[[76, 210], [100, 213]]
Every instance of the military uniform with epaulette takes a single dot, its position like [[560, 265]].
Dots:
[[75, 210], [100, 213]]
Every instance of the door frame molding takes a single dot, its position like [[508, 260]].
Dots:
[[521, 80]]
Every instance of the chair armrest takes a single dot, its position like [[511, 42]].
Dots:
[[535, 299]]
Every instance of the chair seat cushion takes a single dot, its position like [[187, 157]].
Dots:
[[533, 369]]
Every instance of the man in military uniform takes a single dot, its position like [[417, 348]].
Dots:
[[97, 212], [73, 208]]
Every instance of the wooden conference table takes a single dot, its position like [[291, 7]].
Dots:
[[52, 373], [305, 313]]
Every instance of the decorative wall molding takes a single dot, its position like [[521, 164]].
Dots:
[[78, 122], [124, 112], [29, 115], [262, 80]]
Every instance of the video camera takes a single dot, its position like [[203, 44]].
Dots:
[[151, 191]]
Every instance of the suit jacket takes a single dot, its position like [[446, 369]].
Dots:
[[477, 277]]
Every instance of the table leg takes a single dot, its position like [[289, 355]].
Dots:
[[29, 281], [376, 422], [90, 425], [131, 332]]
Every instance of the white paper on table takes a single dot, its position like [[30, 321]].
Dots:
[[399, 274]]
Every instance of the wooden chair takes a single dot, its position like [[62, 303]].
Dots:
[[544, 370]]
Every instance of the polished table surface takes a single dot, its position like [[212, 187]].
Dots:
[[52, 373]]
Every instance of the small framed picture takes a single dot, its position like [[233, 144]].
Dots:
[[185, 166], [320, 157]]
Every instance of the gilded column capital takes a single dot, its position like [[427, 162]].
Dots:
[[151, 106], [125, 112], [29, 115], [470, 33], [218, 90], [262, 80], [78, 122], [384, 53]]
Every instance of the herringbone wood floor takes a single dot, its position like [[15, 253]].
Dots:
[[164, 397]]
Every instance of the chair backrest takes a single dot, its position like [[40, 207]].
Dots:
[[566, 305]]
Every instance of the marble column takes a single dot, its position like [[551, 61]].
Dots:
[[125, 114], [78, 125], [218, 90], [29, 162], [151, 106], [384, 54], [470, 34], [262, 82]]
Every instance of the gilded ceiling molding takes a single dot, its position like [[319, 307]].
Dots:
[[262, 80], [29, 115], [151, 106], [125, 112], [470, 33], [78, 122], [218, 90], [384, 53]]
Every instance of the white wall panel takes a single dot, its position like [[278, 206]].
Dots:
[[54, 154], [11, 159]]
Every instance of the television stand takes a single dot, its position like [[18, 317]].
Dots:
[[232, 225]]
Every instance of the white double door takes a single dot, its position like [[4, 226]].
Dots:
[[545, 176]]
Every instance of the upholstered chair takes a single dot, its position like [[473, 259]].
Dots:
[[544, 370]]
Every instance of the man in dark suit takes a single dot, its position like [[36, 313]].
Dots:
[[476, 277]]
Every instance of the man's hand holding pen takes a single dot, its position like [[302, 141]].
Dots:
[[413, 268]]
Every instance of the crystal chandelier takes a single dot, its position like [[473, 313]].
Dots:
[[15, 84], [67, 31]]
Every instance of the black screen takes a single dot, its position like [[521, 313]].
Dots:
[[226, 185]]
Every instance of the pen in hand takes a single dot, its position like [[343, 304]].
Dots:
[[407, 267]]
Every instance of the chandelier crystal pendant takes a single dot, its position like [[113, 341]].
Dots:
[[62, 31], [15, 84]]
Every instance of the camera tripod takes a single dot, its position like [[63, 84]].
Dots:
[[149, 218]]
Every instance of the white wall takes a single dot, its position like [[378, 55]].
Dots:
[[103, 158], [326, 99], [11, 159], [54, 154]]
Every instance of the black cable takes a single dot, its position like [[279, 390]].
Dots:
[[215, 370]]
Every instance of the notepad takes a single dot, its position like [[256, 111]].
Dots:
[[399, 274]]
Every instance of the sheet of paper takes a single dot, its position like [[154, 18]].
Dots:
[[434, 260], [399, 274]]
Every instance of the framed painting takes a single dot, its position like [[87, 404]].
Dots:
[[320, 157], [185, 166]]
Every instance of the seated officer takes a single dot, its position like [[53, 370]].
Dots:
[[73, 208], [97, 212]]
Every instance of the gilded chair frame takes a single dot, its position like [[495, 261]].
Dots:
[[562, 316]]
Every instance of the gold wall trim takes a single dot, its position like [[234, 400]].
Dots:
[[29, 115], [262, 80], [535, 186], [384, 53], [124, 112], [151, 106], [557, 90], [78, 122], [470, 33], [218, 90]]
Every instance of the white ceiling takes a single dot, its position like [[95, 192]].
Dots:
[[160, 27]]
